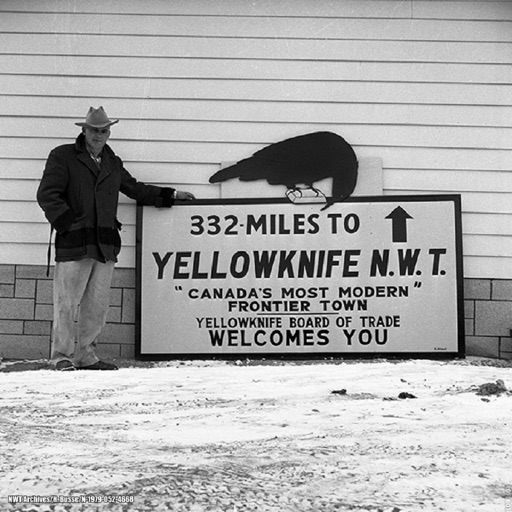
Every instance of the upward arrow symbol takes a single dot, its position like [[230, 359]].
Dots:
[[399, 224]]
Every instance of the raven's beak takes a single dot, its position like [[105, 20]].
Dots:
[[329, 203]]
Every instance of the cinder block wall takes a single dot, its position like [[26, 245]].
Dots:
[[26, 312], [488, 313], [26, 315]]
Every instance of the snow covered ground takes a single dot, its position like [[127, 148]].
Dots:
[[309, 436]]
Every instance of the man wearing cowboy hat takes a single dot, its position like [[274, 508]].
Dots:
[[79, 193]]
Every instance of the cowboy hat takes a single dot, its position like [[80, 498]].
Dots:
[[97, 118]]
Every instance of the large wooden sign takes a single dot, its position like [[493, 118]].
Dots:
[[264, 278]]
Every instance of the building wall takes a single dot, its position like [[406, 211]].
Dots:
[[423, 85], [27, 311], [26, 315]]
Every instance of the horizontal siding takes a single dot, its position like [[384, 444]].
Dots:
[[157, 30], [380, 9], [424, 85], [213, 152], [313, 112], [230, 26], [254, 69], [252, 48], [262, 90], [481, 203], [488, 267], [459, 10], [155, 132], [249, 8], [24, 190]]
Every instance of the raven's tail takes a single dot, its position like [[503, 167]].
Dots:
[[248, 169], [233, 171]]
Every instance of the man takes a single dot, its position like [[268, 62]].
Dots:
[[79, 193]]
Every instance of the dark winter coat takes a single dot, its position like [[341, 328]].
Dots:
[[80, 201]]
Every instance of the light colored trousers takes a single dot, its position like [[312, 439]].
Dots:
[[81, 297]]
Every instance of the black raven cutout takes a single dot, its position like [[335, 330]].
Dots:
[[303, 159]]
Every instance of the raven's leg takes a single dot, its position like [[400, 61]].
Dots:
[[317, 191], [308, 194]]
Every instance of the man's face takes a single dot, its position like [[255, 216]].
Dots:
[[96, 138]]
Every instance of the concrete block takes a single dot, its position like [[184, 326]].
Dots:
[[44, 294], [128, 351], [33, 272], [44, 312], [25, 288], [469, 327], [501, 289], [482, 346], [469, 309], [116, 296], [108, 350], [7, 273], [477, 289], [493, 318], [17, 309], [25, 347], [123, 278], [114, 315], [506, 345], [118, 333], [39, 327], [128, 306], [10, 327], [7, 290]]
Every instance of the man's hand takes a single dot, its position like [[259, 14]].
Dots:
[[168, 195], [184, 196]]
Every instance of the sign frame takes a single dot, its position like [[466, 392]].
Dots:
[[459, 283]]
